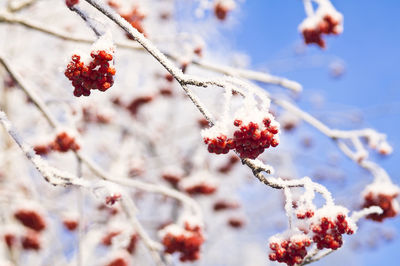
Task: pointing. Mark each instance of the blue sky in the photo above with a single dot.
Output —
(370, 50)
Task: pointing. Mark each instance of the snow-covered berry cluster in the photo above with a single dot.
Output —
(31, 241)
(247, 137)
(290, 249)
(134, 16)
(185, 239)
(98, 74)
(326, 20)
(27, 239)
(328, 226)
(63, 142)
(305, 214)
(323, 227)
(172, 175)
(200, 183)
(222, 8)
(30, 218)
(383, 195)
(222, 204)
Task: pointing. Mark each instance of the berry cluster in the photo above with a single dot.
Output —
(113, 198)
(200, 183)
(382, 194)
(62, 143)
(97, 75)
(236, 222)
(325, 21)
(249, 140)
(290, 251)
(222, 8)
(186, 241)
(31, 241)
(31, 219)
(225, 205)
(135, 17)
(305, 214)
(70, 224)
(328, 232)
(201, 189)
(387, 202)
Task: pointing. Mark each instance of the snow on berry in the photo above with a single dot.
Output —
(250, 133)
(64, 142)
(95, 73)
(200, 183)
(185, 240)
(384, 195)
(329, 224)
(70, 221)
(172, 175)
(134, 16)
(289, 247)
(326, 20)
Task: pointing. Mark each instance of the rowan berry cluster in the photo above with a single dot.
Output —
(290, 250)
(326, 20)
(200, 183)
(249, 139)
(97, 75)
(172, 176)
(31, 219)
(31, 241)
(186, 241)
(70, 224)
(221, 205)
(201, 189)
(383, 195)
(305, 214)
(28, 240)
(328, 231)
(135, 17)
(62, 143)
(236, 222)
(222, 8)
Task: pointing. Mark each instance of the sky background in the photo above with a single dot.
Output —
(370, 86)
